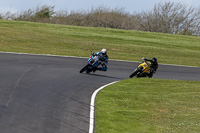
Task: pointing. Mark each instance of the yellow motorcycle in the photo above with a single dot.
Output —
(141, 70)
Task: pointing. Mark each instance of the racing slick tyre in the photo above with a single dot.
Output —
(84, 69)
(134, 73)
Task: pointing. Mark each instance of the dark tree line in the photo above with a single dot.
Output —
(168, 17)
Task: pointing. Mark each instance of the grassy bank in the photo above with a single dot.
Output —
(79, 41)
(149, 106)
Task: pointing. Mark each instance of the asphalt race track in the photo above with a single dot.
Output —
(47, 94)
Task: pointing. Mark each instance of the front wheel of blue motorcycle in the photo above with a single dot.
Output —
(84, 69)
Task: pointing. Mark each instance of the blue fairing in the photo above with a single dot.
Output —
(94, 61)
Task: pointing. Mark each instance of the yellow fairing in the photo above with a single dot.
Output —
(145, 66)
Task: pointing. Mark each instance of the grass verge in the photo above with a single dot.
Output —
(52, 39)
(150, 106)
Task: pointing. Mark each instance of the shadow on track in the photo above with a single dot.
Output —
(98, 75)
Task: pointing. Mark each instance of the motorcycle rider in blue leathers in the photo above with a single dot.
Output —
(104, 59)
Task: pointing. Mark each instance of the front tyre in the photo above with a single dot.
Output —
(134, 73)
(84, 69)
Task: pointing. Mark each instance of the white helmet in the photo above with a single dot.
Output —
(103, 51)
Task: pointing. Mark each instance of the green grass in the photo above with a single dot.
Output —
(40, 38)
(149, 106)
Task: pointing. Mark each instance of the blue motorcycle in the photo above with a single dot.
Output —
(92, 64)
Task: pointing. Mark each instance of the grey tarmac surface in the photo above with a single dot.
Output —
(47, 94)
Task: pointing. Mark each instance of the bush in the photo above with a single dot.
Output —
(168, 17)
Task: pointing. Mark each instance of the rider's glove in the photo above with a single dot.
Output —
(92, 53)
(143, 58)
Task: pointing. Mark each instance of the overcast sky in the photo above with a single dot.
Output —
(130, 6)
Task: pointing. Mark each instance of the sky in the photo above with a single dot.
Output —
(130, 6)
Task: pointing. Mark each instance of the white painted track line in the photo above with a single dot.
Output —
(91, 126)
